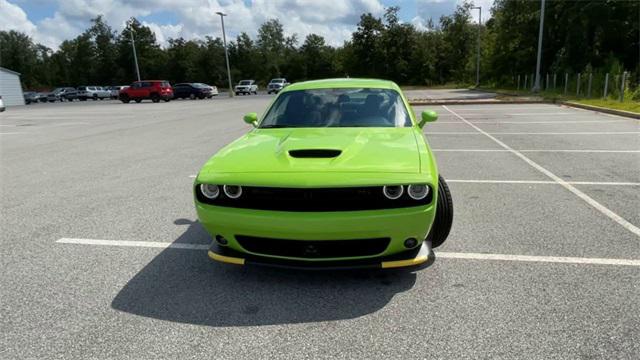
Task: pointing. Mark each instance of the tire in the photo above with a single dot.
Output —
(167, 100)
(444, 215)
(192, 96)
(138, 101)
(155, 98)
(124, 98)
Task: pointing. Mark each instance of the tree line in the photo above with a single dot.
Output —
(579, 36)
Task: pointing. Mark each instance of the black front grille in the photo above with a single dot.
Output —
(313, 199)
(313, 249)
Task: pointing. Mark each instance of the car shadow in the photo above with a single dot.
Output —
(185, 286)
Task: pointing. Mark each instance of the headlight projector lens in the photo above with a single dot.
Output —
(393, 192)
(232, 191)
(418, 192)
(210, 191)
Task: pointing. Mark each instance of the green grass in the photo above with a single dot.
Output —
(627, 105)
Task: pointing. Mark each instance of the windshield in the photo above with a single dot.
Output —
(353, 107)
(277, 81)
(200, 86)
(245, 82)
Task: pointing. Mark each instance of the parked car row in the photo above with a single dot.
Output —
(154, 90)
(68, 93)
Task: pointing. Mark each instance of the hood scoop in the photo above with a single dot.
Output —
(315, 153)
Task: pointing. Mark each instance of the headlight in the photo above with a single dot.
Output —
(210, 191)
(232, 191)
(418, 192)
(393, 192)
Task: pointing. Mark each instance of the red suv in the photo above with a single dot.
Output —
(155, 90)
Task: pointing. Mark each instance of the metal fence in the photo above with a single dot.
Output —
(580, 85)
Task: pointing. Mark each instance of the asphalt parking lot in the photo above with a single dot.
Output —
(543, 261)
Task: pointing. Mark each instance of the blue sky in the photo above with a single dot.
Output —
(52, 21)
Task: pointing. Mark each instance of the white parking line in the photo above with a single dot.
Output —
(604, 210)
(538, 114)
(441, 255)
(550, 151)
(530, 258)
(11, 133)
(470, 181)
(605, 183)
(128, 243)
(498, 122)
(532, 133)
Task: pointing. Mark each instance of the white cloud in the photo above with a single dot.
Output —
(335, 20)
(12, 17)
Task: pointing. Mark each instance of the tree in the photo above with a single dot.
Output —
(105, 57)
(151, 58)
(271, 43)
(19, 53)
(316, 57)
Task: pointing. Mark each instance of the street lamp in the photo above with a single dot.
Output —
(133, 45)
(226, 54)
(536, 87)
(478, 47)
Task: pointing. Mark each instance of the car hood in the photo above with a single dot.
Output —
(390, 150)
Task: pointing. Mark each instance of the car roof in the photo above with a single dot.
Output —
(343, 83)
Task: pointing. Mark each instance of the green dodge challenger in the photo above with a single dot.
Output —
(336, 174)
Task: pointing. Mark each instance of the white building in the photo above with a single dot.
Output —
(10, 87)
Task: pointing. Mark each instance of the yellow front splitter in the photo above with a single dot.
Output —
(420, 258)
(226, 259)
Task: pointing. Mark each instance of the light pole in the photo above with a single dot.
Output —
(226, 54)
(478, 50)
(536, 86)
(135, 56)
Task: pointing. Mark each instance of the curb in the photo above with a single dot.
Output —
(475, 102)
(628, 114)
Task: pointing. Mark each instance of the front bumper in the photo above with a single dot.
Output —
(395, 224)
(415, 257)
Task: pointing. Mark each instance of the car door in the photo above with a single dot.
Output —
(135, 90)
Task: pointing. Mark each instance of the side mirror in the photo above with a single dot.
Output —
(251, 119)
(428, 116)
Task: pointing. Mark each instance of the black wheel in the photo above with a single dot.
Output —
(155, 98)
(125, 98)
(237, 93)
(138, 101)
(444, 215)
(167, 100)
(192, 96)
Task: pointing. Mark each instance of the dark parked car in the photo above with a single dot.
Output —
(191, 91)
(155, 90)
(62, 94)
(31, 97)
